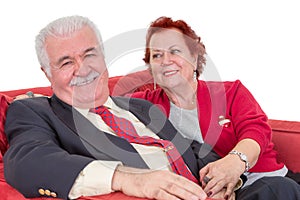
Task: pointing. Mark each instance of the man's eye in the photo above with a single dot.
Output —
(175, 51)
(66, 64)
(89, 55)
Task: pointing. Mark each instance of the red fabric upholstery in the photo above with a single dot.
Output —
(286, 137)
(3, 107)
(37, 90)
(133, 82)
(286, 134)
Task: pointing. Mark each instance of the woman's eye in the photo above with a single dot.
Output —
(156, 55)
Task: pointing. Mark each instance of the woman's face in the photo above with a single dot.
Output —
(171, 61)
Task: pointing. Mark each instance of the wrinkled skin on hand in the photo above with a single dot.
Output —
(156, 184)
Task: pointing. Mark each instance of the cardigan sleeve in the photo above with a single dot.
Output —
(248, 118)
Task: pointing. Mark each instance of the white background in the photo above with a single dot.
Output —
(256, 41)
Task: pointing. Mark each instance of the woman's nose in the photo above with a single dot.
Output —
(167, 59)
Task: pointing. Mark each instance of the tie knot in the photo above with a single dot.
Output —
(99, 109)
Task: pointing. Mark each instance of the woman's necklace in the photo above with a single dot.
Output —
(187, 104)
(194, 98)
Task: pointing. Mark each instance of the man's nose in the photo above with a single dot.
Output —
(81, 68)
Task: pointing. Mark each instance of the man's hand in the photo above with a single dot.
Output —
(155, 184)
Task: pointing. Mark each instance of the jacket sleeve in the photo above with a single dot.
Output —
(35, 160)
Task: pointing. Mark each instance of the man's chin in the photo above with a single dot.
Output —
(89, 99)
(83, 103)
(83, 94)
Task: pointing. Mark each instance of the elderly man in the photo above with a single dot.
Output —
(68, 145)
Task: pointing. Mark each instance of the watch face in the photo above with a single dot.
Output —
(243, 157)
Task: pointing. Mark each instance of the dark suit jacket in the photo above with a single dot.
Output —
(50, 143)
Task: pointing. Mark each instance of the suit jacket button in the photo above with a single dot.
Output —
(47, 192)
(53, 194)
(41, 191)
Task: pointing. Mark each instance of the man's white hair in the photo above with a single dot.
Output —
(62, 27)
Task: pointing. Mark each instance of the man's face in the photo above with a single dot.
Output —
(79, 75)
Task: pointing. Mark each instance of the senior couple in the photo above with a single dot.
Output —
(204, 139)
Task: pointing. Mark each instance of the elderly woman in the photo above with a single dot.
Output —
(223, 114)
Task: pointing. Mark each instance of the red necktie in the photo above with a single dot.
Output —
(124, 129)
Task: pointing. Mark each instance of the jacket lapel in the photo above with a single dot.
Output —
(156, 121)
(101, 145)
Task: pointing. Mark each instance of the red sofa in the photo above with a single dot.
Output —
(286, 134)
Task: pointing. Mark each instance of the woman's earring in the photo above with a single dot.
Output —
(154, 82)
(195, 76)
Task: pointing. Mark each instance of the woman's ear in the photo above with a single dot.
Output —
(195, 62)
(150, 69)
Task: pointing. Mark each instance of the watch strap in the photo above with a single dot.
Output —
(243, 158)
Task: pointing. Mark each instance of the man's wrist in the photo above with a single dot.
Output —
(116, 179)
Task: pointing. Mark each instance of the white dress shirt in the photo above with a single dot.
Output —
(96, 177)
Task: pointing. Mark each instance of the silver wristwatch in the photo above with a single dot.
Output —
(243, 158)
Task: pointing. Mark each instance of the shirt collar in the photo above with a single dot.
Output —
(109, 104)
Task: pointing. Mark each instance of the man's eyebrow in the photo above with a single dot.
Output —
(68, 57)
(62, 59)
(89, 49)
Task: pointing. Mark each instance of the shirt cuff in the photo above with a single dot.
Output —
(94, 179)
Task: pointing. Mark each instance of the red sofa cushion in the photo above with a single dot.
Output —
(4, 100)
(286, 137)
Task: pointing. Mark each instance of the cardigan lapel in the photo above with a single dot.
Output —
(211, 98)
(100, 144)
(204, 106)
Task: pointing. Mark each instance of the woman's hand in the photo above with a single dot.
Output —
(221, 195)
(223, 173)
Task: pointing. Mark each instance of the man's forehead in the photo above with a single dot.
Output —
(59, 49)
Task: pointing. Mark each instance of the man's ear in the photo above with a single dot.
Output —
(45, 72)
